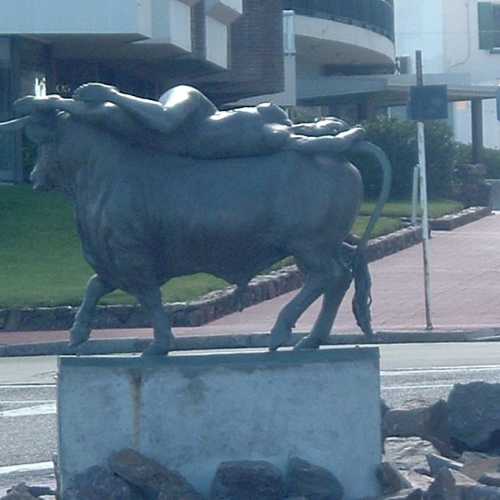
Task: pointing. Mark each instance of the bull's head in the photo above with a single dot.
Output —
(40, 125)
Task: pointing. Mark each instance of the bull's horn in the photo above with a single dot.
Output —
(13, 125)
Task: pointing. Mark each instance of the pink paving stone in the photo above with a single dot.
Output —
(465, 291)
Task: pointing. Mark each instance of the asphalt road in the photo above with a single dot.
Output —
(424, 372)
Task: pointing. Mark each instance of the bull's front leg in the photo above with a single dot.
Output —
(80, 331)
(163, 337)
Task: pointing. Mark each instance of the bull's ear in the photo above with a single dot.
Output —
(14, 125)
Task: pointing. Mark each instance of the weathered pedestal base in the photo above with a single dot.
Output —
(192, 412)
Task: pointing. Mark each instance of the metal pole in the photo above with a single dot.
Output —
(414, 195)
(423, 201)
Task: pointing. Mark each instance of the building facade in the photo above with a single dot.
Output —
(460, 40)
(334, 52)
(229, 49)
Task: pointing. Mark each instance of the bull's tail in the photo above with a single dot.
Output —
(362, 300)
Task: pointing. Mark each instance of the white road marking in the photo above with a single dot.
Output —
(26, 401)
(40, 466)
(27, 386)
(49, 407)
(413, 387)
(30, 411)
(440, 369)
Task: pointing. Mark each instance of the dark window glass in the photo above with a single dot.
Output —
(489, 25)
(376, 15)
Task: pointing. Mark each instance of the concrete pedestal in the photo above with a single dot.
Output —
(192, 412)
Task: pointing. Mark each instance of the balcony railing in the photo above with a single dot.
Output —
(375, 15)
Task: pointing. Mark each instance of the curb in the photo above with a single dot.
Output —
(466, 216)
(248, 341)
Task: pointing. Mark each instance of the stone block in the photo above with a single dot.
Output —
(192, 412)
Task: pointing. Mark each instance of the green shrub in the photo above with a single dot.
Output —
(398, 139)
(489, 157)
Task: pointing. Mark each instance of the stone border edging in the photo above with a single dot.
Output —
(210, 307)
(466, 216)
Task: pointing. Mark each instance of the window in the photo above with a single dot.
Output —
(489, 25)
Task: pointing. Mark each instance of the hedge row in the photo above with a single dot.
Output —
(399, 141)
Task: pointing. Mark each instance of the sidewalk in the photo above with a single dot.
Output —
(465, 291)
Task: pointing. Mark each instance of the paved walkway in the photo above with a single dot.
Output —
(465, 289)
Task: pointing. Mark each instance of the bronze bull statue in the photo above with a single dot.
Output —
(151, 204)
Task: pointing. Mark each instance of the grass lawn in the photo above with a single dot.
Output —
(41, 262)
(437, 208)
(384, 225)
(40, 258)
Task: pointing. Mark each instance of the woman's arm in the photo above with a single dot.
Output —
(105, 114)
(327, 143)
(164, 118)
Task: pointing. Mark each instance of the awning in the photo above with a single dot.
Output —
(387, 90)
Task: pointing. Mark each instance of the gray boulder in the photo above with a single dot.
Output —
(97, 483)
(409, 453)
(418, 481)
(427, 422)
(453, 485)
(391, 480)
(19, 492)
(248, 480)
(406, 495)
(151, 478)
(409, 457)
(450, 485)
(490, 479)
(437, 462)
(474, 414)
(477, 464)
(312, 481)
(22, 490)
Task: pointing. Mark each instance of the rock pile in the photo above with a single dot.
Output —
(446, 451)
(130, 475)
(24, 492)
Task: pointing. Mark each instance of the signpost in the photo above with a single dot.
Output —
(426, 103)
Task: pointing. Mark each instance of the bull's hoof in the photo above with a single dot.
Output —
(78, 335)
(368, 332)
(307, 343)
(156, 349)
(279, 337)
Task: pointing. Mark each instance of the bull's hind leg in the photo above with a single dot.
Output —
(80, 331)
(339, 280)
(163, 337)
(314, 265)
